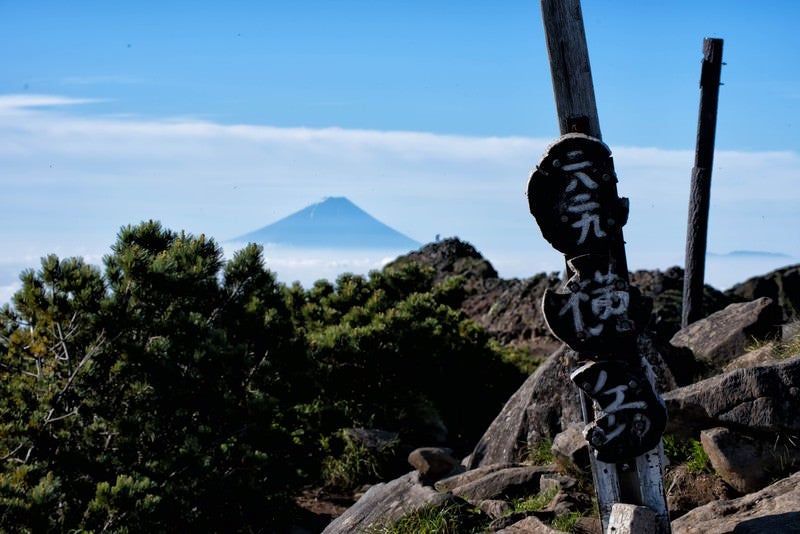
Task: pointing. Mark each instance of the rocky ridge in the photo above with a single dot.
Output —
(731, 383)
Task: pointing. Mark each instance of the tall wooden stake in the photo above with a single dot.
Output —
(637, 480)
(699, 199)
(569, 67)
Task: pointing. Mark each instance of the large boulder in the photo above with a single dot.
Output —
(764, 398)
(748, 463)
(726, 334)
(771, 510)
(545, 404)
(385, 503)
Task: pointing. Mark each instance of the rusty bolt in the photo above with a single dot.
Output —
(641, 424)
(624, 326)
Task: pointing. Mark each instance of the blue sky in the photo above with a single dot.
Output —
(219, 118)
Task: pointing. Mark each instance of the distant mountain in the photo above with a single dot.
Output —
(333, 223)
(750, 254)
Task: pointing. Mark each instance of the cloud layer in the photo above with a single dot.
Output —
(71, 180)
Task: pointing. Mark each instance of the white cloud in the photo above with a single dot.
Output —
(74, 180)
(20, 102)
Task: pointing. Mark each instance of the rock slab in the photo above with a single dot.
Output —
(725, 335)
(763, 398)
(774, 509)
(385, 503)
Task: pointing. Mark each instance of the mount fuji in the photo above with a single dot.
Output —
(334, 223)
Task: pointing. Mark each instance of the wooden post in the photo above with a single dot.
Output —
(699, 198)
(572, 194)
(569, 67)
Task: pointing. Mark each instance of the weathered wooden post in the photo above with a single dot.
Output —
(572, 193)
(700, 194)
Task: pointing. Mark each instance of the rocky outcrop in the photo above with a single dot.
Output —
(726, 334)
(771, 510)
(452, 257)
(385, 503)
(762, 399)
(757, 401)
(782, 286)
(747, 417)
(489, 488)
(510, 310)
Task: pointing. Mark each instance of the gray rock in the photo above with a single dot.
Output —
(510, 482)
(529, 525)
(764, 398)
(557, 481)
(433, 463)
(570, 447)
(687, 491)
(656, 353)
(724, 335)
(790, 329)
(562, 503)
(763, 354)
(744, 462)
(771, 510)
(587, 525)
(782, 286)
(384, 503)
(541, 408)
(454, 481)
(494, 508)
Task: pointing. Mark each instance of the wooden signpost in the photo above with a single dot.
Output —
(700, 192)
(572, 193)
